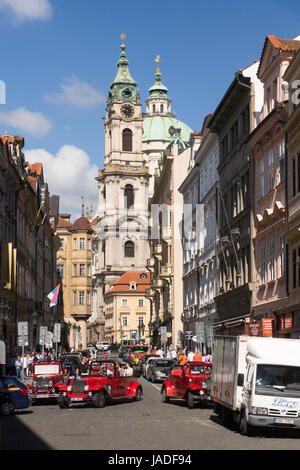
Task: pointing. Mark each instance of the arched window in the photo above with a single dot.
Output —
(127, 140)
(153, 108)
(129, 249)
(129, 196)
(161, 108)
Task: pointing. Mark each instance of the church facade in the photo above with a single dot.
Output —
(134, 146)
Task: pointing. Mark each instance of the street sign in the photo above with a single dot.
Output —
(163, 334)
(43, 331)
(22, 328)
(49, 339)
(23, 341)
(188, 334)
(57, 333)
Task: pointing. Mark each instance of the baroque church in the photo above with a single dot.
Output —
(134, 145)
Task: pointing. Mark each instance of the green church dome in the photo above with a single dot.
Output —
(164, 128)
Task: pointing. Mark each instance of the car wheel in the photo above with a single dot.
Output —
(190, 400)
(63, 403)
(100, 399)
(164, 396)
(7, 408)
(138, 395)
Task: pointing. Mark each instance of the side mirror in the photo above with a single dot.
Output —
(240, 380)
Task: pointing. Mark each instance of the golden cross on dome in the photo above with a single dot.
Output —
(123, 37)
(157, 60)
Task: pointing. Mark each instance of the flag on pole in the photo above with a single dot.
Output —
(53, 296)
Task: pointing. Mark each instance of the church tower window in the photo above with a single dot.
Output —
(129, 249)
(129, 196)
(127, 140)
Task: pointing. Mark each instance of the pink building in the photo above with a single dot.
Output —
(268, 146)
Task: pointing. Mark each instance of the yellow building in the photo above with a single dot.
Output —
(127, 309)
(74, 260)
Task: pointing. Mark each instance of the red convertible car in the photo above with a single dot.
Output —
(45, 377)
(105, 381)
(188, 382)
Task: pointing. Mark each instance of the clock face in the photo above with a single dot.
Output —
(127, 110)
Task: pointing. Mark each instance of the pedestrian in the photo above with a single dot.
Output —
(190, 356)
(182, 358)
(18, 366)
(174, 354)
(197, 357)
(24, 365)
(29, 364)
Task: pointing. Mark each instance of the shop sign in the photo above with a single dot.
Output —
(267, 326)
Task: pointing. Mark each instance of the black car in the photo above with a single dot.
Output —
(139, 369)
(159, 369)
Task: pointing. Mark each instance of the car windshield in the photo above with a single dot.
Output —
(200, 369)
(46, 369)
(139, 349)
(102, 369)
(271, 379)
(163, 363)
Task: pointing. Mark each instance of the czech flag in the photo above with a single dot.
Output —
(53, 296)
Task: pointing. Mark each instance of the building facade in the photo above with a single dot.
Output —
(233, 121)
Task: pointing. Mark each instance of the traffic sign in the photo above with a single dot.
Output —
(57, 333)
(23, 341)
(22, 328)
(43, 331)
(163, 334)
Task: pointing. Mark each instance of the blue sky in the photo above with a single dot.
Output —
(53, 48)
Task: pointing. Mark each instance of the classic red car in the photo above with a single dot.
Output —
(45, 377)
(188, 382)
(105, 381)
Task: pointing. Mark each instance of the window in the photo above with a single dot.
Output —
(60, 269)
(271, 260)
(161, 108)
(124, 303)
(74, 269)
(262, 178)
(124, 321)
(153, 108)
(74, 297)
(141, 321)
(82, 243)
(62, 243)
(129, 250)
(262, 263)
(75, 244)
(82, 270)
(270, 170)
(81, 297)
(129, 196)
(281, 154)
(141, 302)
(127, 140)
(281, 255)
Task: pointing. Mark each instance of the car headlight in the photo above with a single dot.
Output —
(259, 411)
(201, 392)
(86, 388)
(204, 384)
(69, 388)
(34, 383)
(50, 383)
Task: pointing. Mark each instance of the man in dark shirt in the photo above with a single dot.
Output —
(83, 367)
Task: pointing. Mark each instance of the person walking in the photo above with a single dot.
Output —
(190, 356)
(182, 358)
(18, 366)
(24, 363)
(197, 357)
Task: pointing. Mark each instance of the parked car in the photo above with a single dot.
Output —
(159, 369)
(13, 395)
(188, 383)
(123, 351)
(102, 384)
(147, 364)
(45, 377)
(139, 370)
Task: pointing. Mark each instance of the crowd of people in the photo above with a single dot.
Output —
(21, 366)
(181, 356)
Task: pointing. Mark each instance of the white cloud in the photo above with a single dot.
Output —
(28, 122)
(27, 10)
(70, 175)
(74, 92)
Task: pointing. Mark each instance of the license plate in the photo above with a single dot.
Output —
(283, 421)
(41, 396)
(76, 399)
